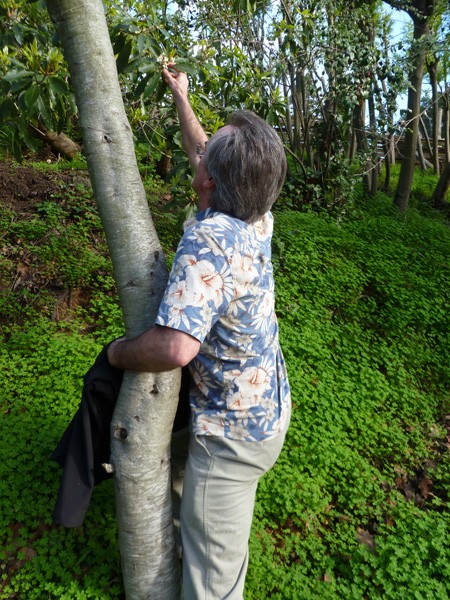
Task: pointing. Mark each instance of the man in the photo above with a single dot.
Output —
(217, 315)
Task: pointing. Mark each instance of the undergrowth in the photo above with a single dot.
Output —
(357, 505)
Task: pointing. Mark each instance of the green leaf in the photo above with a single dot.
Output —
(31, 96)
(124, 56)
(149, 66)
(152, 84)
(58, 86)
(15, 75)
(186, 67)
(17, 149)
(244, 5)
(18, 32)
(44, 113)
(142, 84)
(5, 109)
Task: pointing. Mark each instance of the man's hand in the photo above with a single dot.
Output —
(176, 80)
(110, 353)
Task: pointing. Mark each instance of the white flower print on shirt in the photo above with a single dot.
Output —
(202, 379)
(267, 412)
(178, 295)
(252, 383)
(208, 283)
(236, 350)
(239, 431)
(203, 322)
(184, 261)
(245, 264)
(264, 228)
(208, 426)
(177, 319)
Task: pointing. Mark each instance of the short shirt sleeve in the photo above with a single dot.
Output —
(200, 285)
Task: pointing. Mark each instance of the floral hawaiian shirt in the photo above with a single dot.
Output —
(221, 291)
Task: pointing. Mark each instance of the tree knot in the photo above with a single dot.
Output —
(120, 433)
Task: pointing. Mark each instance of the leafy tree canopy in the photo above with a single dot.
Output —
(310, 67)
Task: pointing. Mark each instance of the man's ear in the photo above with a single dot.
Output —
(210, 183)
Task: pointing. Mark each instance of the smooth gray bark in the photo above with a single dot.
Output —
(142, 422)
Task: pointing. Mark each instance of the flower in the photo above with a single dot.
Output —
(164, 60)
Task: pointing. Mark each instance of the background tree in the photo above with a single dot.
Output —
(142, 421)
(391, 81)
(438, 70)
(422, 13)
(432, 65)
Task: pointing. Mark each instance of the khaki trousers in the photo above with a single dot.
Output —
(219, 489)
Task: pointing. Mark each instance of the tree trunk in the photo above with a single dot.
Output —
(447, 124)
(374, 163)
(438, 198)
(423, 162)
(387, 164)
(142, 422)
(359, 130)
(420, 12)
(423, 133)
(432, 72)
(404, 185)
(388, 141)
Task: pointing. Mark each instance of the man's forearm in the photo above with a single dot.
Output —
(156, 350)
(192, 133)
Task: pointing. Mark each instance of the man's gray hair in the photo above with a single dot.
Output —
(248, 166)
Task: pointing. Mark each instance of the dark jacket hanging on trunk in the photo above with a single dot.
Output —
(85, 445)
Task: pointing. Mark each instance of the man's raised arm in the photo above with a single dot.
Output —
(192, 133)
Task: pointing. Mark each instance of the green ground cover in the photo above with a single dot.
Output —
(357, 506)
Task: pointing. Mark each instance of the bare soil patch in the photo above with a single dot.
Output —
(22, 186)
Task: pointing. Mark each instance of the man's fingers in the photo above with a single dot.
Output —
(170, 73)
(171, 69)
